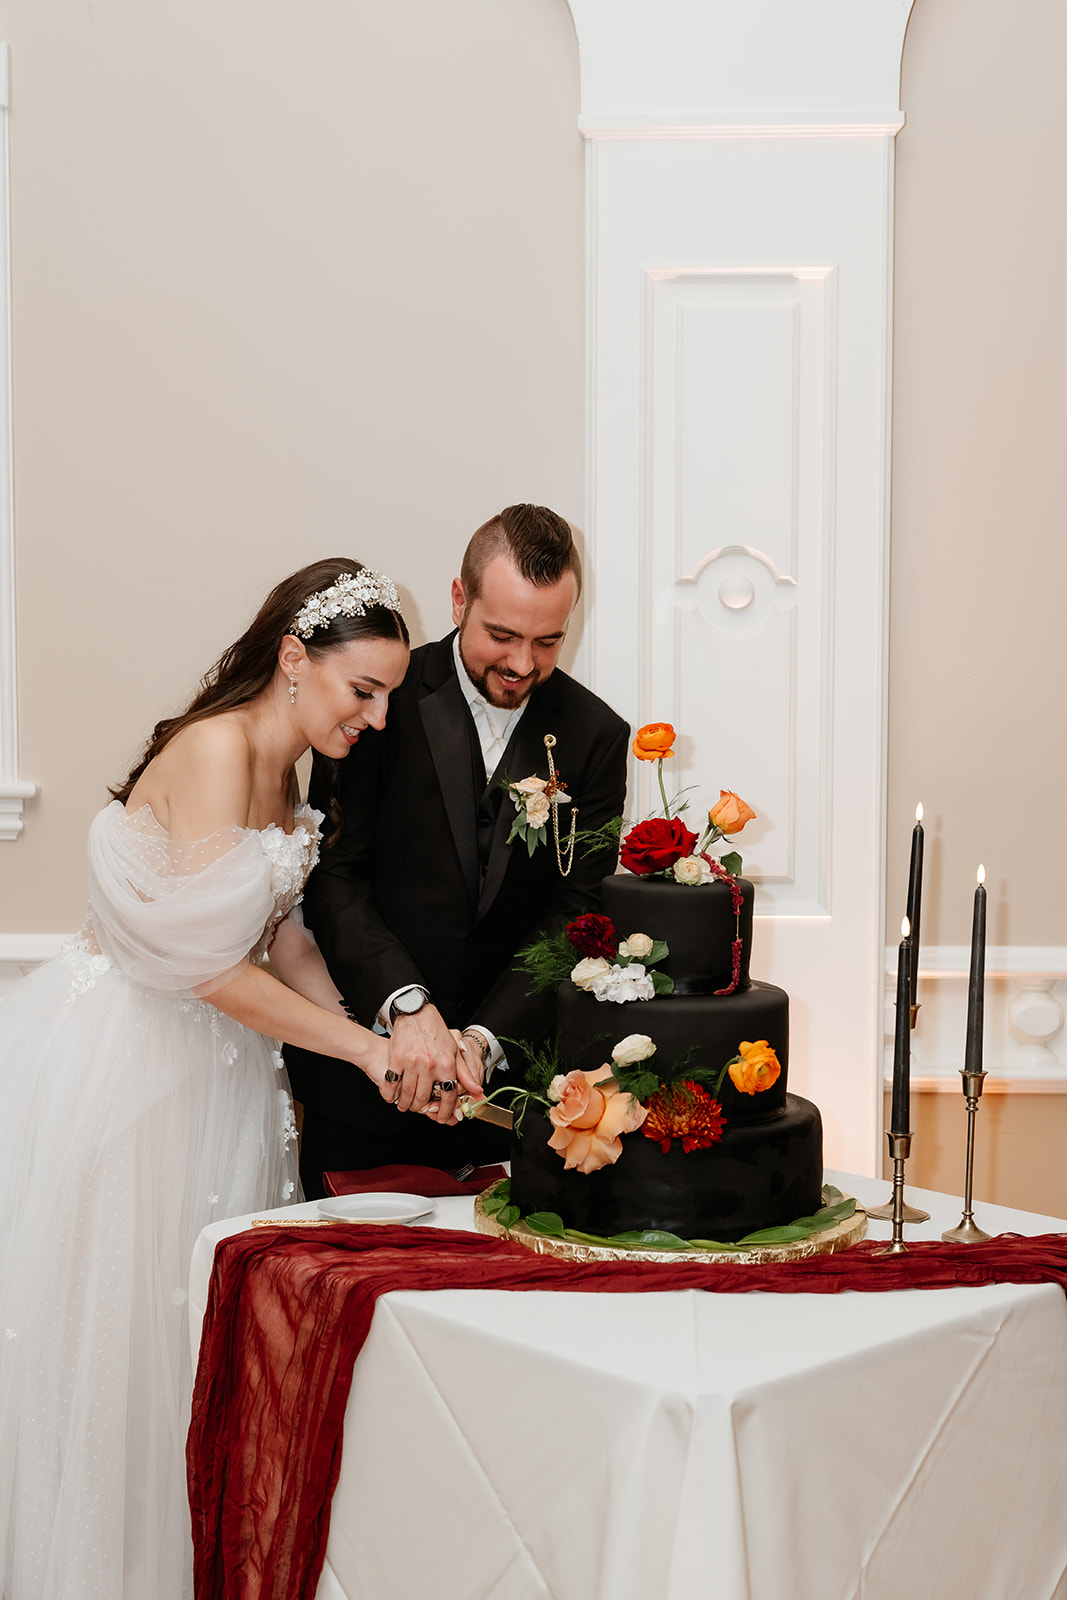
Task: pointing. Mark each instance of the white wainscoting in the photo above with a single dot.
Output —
(739, 212)
(1025, 1011)
(21, 952)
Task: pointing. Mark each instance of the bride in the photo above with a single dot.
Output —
(143, 1094)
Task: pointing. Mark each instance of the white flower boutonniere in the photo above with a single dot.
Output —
(533, 799)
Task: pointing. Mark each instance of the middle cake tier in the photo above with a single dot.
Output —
(709, 1027)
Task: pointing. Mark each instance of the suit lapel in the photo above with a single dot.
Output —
(525, 757)
(445, 723)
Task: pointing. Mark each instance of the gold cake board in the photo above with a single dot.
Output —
(840, 1237)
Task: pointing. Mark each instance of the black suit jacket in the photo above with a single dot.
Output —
(408, 895)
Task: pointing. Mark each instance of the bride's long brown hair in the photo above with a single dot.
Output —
(247, 667)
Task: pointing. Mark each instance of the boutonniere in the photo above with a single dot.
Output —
(537, 802)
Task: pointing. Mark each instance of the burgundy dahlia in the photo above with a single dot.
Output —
(593, 935)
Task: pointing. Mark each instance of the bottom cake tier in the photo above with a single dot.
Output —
(759, 1175)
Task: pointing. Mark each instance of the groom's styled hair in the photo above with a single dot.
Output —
(538, 541)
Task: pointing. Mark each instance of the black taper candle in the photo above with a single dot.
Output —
(915, 896)
(900, 1121)
(972, 1055)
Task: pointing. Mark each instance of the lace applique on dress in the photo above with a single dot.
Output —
(285, 1106)
(291, 857)
(84, 961)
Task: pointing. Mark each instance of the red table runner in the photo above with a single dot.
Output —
(289, 1310)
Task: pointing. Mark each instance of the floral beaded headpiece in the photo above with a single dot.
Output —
(348, 597)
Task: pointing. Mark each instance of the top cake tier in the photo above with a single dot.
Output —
(698, 923)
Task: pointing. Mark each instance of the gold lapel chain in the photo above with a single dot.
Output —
(550, 741)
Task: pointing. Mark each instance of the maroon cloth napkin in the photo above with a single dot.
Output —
(288, 1312)
(411, 1180)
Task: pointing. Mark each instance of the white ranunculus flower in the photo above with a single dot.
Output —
(691, 869)
(537, 809)
(638, 947)
(588, 971)
(635, 1047)
(531, 785)
(555, 1088)
(624, 983)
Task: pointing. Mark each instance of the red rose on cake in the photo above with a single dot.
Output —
(655, 845)
(588, 1119)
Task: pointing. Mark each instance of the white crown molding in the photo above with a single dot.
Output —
(800, 61)
(740, 125)
(13, 792)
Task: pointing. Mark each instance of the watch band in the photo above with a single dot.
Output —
(396, 1010)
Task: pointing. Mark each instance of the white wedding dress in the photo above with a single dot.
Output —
(132, 1113)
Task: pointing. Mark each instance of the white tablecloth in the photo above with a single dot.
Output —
(689, 1446)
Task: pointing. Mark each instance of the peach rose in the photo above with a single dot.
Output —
(756, 1067)
(730, 813)
(531, 785)
(538, 808)
(588, 1120)
(654, 741)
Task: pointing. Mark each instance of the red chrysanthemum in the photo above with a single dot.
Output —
(593, 935)
(684, 1111)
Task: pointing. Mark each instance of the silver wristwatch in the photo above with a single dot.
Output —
(408, 1001)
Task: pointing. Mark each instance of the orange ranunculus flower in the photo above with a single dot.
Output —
(730, 813)
(756, 1067)
(588, 1120)
(654, 741)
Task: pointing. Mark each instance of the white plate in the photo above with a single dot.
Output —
(377, 1207)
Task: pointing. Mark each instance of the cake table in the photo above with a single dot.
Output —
(688, 1446)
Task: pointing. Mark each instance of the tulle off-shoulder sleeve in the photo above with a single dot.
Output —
(180, 918)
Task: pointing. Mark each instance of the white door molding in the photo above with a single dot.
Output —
(739, 220)
(12, 792)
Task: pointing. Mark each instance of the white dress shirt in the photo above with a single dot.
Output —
(494, 724)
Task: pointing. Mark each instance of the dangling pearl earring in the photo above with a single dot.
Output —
(292, 690)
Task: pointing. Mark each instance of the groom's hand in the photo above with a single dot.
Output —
(423, 1052)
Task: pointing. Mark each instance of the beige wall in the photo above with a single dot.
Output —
(288, 281)
(979, 553)
(1018, 1149)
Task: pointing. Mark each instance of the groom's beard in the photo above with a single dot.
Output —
(494, 689)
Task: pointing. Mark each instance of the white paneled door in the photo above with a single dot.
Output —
(739, 272)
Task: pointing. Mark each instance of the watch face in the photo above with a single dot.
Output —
(408, 1004)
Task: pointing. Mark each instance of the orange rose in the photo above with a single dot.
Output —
(653, 742)
(588, 1120)
(730, 813)
(756, 1067)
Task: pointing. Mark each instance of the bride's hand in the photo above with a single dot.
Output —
(373, 1054)
(469, 1071)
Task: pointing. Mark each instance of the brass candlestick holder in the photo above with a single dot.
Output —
(968, 1231)
(899, 1151)
(885, 1213)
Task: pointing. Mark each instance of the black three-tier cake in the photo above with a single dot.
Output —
(766, 1169)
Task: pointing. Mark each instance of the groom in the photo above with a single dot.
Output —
(420, 906)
